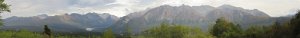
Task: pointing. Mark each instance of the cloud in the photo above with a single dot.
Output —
(121, 8)
(274, 8)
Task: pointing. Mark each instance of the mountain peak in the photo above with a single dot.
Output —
(43, 15)
(188, 15)
(165, 6)
(63, 23)
(226, 5)
(229, 7)
(105, 14)
(91, 13)
(204, 6)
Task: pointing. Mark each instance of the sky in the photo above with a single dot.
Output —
(26, 8)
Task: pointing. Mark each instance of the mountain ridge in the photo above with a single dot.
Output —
(195, 16)
(61, 23)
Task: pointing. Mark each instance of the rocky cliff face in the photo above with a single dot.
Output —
(195, 16)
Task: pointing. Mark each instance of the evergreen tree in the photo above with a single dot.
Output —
(47, 31)
(295, 22)
(275, 30)
(255, 32)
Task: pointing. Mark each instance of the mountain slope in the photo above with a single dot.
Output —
(195, 16)
(62, 23)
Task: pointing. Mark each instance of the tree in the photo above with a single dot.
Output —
(295, 23)
(3, 8)
(197, 33)
(255, 32)
(225, 29)
(108, 34)
(47, 31)
(276, 31)
(174, 31)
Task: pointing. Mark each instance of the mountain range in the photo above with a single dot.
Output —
(195, 16)
(62, 23)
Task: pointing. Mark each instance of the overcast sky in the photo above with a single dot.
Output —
(25, 8)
